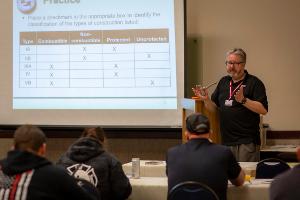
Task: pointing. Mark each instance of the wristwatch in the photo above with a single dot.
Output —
(244, 100)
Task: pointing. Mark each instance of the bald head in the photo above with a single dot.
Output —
(29, 137)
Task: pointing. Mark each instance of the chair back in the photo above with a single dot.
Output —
(270, 167)
(192, 190)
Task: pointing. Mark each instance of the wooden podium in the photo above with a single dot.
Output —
(195, 105)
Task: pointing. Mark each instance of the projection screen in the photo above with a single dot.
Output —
(88, 62)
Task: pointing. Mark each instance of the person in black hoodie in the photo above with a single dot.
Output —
(87, 159)
(26, 174)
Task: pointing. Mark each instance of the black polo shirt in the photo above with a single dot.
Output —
(238, 124)
(202, 161)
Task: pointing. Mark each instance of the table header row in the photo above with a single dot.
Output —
(95, 37)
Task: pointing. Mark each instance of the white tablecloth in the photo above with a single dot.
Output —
(155, 168)
(156, 188)
(148, 168)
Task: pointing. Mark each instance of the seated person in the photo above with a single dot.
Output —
(202, 161)
(26, 174)
(286, 185)
(87, 159)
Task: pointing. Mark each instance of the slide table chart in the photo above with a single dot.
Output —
(133, 58)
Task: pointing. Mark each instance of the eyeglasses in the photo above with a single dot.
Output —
(228, 63)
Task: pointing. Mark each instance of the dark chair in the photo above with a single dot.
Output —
(191, 190)
(270, 167)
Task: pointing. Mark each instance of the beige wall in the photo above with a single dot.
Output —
(123, 149)
(5, 145)
(269, 31)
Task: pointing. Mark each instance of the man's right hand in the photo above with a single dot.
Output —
(200, 92)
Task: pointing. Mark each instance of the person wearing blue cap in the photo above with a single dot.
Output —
(202, 161)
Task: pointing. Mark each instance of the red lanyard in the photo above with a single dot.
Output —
(230, 89)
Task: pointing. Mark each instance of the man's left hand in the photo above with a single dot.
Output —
(239, 95)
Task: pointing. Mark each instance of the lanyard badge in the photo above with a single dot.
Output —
(228, 102)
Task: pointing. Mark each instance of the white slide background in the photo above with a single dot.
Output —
(83, 62)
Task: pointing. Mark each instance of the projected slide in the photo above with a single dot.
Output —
(94, 54)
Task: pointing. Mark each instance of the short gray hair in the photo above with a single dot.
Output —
(238, 51)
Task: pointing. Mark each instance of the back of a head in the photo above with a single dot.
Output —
(197, 124)
(95, 132)
(29, 137)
